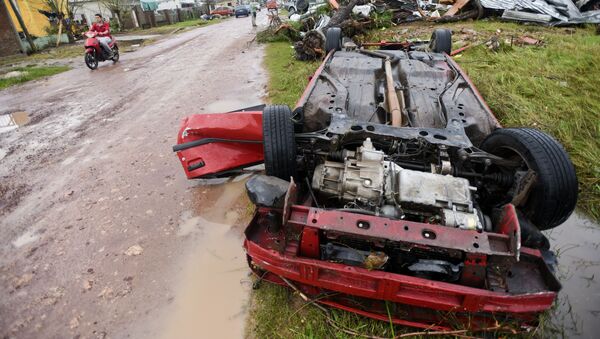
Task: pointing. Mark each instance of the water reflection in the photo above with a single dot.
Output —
(577, 244)
(9, 122)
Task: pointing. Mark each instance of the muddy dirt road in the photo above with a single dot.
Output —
(102, 236)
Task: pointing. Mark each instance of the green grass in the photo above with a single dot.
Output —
(277, 312)
(30, 73)
(287, 76)
(553, 87)
(61, 52)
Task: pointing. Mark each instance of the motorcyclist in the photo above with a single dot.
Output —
(102, 30)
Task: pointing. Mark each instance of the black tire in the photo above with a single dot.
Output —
(115, 51)
(441, 41)
(553, 197)
(302, 6)
(333, 39)
(279, 142)
(91, 61)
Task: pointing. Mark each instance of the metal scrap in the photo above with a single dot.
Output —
(552, 12)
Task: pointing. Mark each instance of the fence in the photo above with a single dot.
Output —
(147, 19)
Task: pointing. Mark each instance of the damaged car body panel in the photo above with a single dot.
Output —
(204, 139)
(402, 188)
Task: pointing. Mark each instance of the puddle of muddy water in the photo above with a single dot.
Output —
(212, 296)
(577, 243)
(9, 122)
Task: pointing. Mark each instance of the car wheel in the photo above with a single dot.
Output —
(333, 39)
(279, 143)
(553, 196)
(441, 41)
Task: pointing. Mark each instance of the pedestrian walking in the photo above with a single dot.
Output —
(253, 12)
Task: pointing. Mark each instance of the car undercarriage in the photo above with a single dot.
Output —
(392, 181)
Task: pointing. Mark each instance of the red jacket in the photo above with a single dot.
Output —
(102, 29)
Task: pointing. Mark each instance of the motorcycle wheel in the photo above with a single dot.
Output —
(115, 51)
(91, 61)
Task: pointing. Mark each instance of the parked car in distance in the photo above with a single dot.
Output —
(223, 10)
(242, 10)
(290, 6)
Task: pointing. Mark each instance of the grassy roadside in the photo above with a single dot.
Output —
(287, 76)
(552, 87)
(29, 73)
(61, 52)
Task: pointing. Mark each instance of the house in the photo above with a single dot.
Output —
(174, 4)
(37, 19)
(85, 10)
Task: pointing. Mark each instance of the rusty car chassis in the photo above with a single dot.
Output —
(392, 191)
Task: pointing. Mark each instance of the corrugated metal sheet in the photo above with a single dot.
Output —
(498, 4)
(540, 6)
(561, 11)
(510, 14)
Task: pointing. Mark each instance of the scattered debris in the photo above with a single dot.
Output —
(527, 40)
(494, 43)
(552, 12)
(134, 250)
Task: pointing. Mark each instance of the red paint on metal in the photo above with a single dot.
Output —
(419, 298)
(408, 232)
(459, 50)
(473, 273)
(394, 287)
(313, 80)
(219, 157)
(309, 243)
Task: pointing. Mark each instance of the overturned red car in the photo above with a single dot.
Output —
(391, 187)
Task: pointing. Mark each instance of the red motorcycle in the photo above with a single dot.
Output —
(94, 52)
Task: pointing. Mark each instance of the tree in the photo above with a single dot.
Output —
(60, 8)
(22, 24)
(117, 8)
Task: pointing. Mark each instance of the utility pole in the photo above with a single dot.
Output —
(23, 27)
